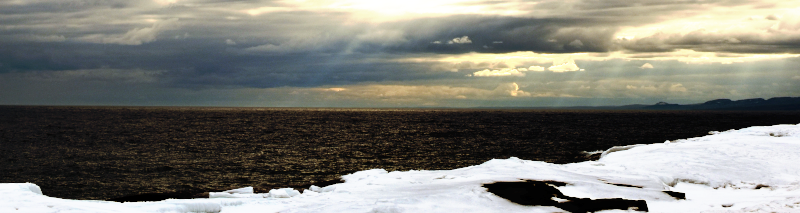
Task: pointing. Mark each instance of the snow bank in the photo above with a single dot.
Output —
(748, 170)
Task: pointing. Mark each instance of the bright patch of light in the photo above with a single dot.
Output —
(262, 10)
(165, 2)
(421, 7)
(395, 9)
(627, 37)
(731, 20)
(495, 73)
(526, 59)
(692, 57)
(336, 89)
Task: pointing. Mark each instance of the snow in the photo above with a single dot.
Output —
(748, 170)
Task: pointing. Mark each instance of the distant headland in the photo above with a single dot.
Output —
(755, 104)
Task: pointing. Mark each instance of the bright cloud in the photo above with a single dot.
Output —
(495, 73)
(523, 59)
(564, 65)
(508, 71)
(646, 66)
(536, 68)
(166, 2)
(426, 7)
(335, 89)
(729, 29)
(576, 43)
(265, 10)
(511, 89)
(677, 88)
(462, 40)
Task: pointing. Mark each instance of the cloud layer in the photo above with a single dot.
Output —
(417, 52)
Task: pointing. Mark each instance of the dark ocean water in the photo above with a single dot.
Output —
(109, 152)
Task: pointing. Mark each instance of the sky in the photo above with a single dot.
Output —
(413, 53)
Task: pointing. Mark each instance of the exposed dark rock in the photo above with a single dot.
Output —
(554, 183)
(623, 185)
(320, 184)
(526, 193)
(266, 188)
(592, 156)
(676, 195)
(541, 193)
(589, 205)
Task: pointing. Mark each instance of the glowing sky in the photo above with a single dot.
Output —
(366, 53)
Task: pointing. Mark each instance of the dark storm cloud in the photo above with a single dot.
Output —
(198, 63)
(295, 71)
(490, 34)
(503, 34)
(65, 6)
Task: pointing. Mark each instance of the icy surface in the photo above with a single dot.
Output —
(749, 170)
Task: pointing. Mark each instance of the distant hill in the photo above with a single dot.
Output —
(778, 103)
(756, 104)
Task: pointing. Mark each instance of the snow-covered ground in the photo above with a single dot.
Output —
(755, 169)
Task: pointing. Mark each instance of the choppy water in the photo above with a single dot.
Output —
(108, 152)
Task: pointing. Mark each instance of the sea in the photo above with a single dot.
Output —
(100, 153)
